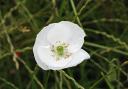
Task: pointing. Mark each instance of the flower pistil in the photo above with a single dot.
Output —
(60, 50)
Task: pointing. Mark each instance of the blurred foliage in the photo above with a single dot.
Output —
(105, 23)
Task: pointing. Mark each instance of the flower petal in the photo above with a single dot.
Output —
(77, 58)
(47, 57)
(75, 45)
(74, 60)
(42, 35)
(67, 32)
(58, 33)
(77, 39)
(38, 60)
(74, 27)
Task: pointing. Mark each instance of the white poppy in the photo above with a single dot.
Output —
(58, 46)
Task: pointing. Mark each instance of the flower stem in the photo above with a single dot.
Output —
(61, 80)
(75, 12)
(70, 78)
(8, 83)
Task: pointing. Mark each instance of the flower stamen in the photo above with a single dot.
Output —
(60, 50)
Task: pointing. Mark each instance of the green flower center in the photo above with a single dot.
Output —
(60, 50)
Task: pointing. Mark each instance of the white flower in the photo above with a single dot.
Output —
(58, 46)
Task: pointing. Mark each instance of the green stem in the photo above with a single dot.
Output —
(61, 80)
(106, 48)
(8, 83)
(31, 72)
(83, 7)
(75, 12)
(107, 81)
(74, 81)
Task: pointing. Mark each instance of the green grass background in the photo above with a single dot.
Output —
(104, 21)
